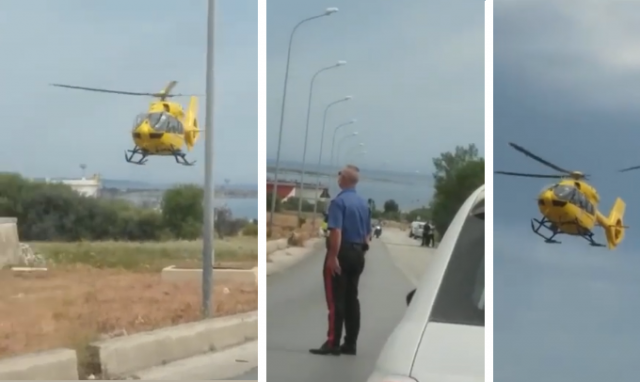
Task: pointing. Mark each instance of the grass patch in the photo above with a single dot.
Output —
(145, 256)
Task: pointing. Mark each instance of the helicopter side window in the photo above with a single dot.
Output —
(582, 202)
(138, 121)
(174, 126)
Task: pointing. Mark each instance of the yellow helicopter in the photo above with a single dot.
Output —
(163, 130)
(570, 207)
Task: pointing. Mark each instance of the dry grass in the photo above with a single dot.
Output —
(148, 256)
(286, 223)
(72, 306)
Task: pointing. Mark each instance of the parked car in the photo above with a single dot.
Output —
(441, 336)
(416, 229)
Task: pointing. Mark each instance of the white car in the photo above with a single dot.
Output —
(416, 229)
(441, 336)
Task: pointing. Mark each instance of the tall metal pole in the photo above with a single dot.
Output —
(324, 124)
(284, 98)
(207, 246)
(340, 147)
(333, 140)
(306, 134)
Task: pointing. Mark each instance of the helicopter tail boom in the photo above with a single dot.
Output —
(613, 225)
(191, 131)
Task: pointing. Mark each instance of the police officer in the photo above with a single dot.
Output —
(349, 226)
(426, 231)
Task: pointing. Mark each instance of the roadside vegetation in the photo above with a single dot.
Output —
(66, 228)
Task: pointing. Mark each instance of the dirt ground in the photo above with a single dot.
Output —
(72, 306)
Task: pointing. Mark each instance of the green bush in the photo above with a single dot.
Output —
(54, 212)
(250, 229)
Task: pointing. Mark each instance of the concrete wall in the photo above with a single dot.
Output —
(9, 243)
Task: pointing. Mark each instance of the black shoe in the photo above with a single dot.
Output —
(326, 349)
(348, 349)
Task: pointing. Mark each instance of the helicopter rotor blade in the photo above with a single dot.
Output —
(101, 90)
(166, 92)
(526, 175)
(630, 168)
(537, 158)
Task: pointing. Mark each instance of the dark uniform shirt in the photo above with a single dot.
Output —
(350, 213)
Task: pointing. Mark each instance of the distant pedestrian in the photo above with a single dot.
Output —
(349, 227)
(431, 241)
(426, 231)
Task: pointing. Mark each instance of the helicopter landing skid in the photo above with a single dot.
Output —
(551, 227)
(181, 158)
(548, 225)
(136, 150)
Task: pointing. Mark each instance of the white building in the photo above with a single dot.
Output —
(86, 187)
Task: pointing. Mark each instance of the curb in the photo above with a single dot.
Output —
(173, 274)
(127, 355)
(286, 258)
(276, 245)
(56, 364)
(124, 356)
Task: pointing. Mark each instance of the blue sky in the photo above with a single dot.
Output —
(567, 85)
(129, 45)
(415, 70)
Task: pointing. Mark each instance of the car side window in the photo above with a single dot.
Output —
(460, 299)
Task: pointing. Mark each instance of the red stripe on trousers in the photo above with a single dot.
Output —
(328, 292)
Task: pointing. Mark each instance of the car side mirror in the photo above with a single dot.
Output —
(410, 296)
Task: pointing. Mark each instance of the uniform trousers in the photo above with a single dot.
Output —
(341, 292)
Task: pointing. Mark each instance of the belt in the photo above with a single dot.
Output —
(360, 246)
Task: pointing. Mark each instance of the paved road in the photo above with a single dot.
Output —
(250, 376)
(407, 254)
(297, 319)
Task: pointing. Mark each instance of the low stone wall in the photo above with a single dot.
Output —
(9, 243)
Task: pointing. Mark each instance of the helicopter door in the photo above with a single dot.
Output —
(174, 126)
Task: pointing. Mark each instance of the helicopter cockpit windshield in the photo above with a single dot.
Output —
(160, 122)
(563, 192)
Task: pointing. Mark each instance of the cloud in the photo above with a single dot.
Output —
(137, 46)
(561, 44)
(416, 72)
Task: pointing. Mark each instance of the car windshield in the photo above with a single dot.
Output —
(460, 299)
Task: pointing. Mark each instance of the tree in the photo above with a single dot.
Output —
(390, 206)
(457, 175)
(422, 213)
(183, 212)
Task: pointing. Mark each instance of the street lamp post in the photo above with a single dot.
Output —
(328, 11)
(350, 156)
(333, 140)
(207, 246)
(324, 124)
(306, 133)
(355, 133)
(350, 152)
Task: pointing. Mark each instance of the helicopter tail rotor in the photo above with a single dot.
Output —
(613, 224)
